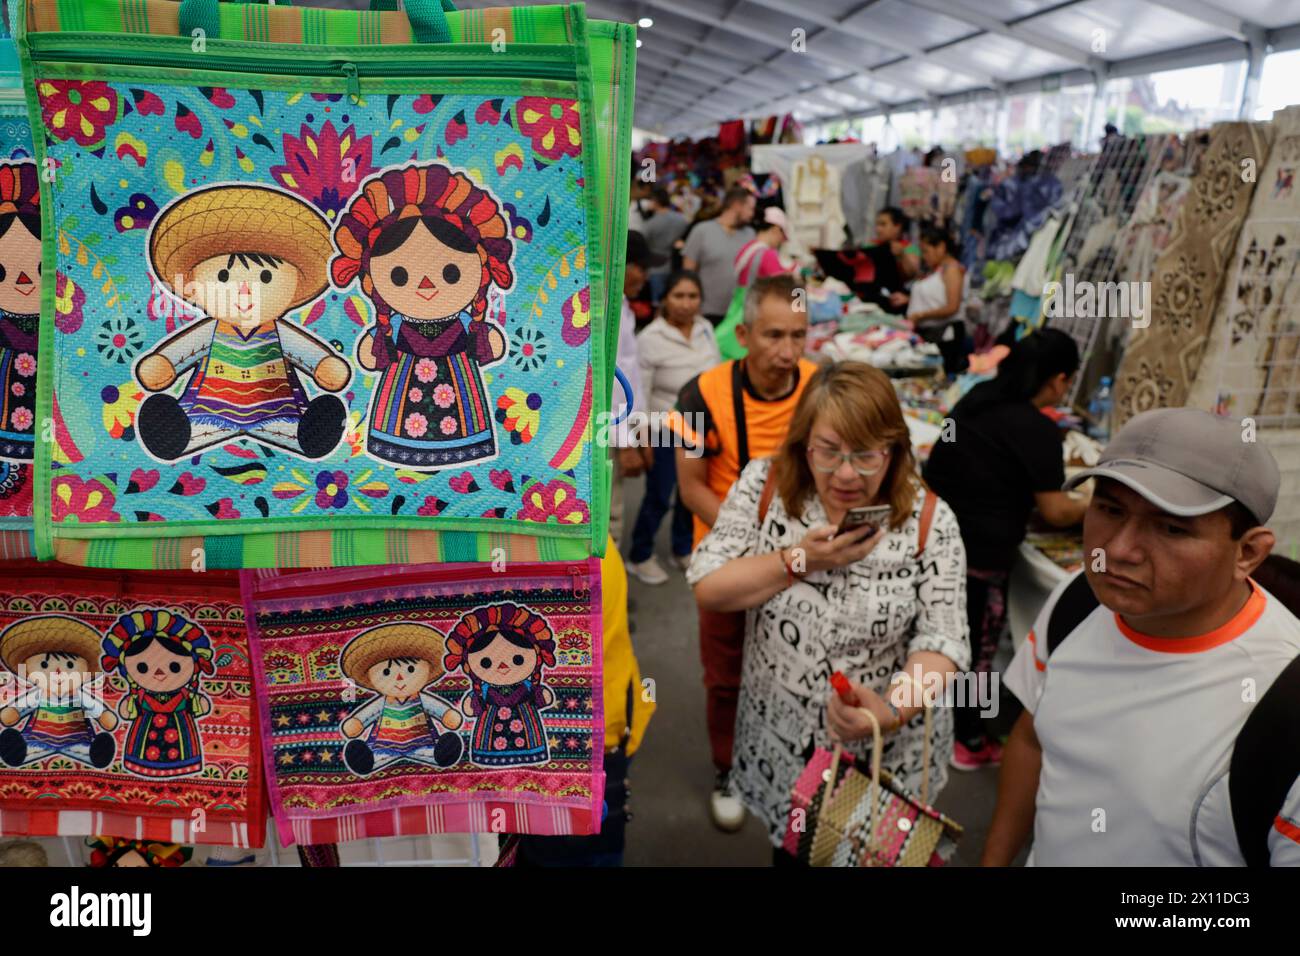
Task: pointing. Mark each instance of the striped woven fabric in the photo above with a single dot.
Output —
(290, 24)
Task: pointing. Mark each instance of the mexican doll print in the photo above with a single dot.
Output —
(59, 712)
(245, 256)
(427, 245)
(404, 720)
(503, 648)
(163, 657)
(20, 312)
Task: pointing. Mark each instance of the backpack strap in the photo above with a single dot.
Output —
(1265, 764)
(765, 499)
(1075, 603)
(738, 412)
(925, 519)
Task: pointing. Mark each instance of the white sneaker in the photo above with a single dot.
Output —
(649, 571)
(683, 561)
(726, 809)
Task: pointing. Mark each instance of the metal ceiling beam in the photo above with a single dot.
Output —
(1013, 31)
(874, 36)
(760, 36)
(1226, 23)
(772, 86)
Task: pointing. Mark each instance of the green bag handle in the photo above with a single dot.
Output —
(428, 17)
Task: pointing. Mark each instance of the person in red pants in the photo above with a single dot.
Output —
(726, 416)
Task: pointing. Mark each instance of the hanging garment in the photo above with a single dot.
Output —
(811, 178)
(1162, 360)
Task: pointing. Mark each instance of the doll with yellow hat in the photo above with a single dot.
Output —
(20, 307)
(398, 662)
(246, 256)
(59, 713)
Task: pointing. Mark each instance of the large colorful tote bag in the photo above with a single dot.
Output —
(126, 707)
(20, 298)
(430, 699)
(341, 287)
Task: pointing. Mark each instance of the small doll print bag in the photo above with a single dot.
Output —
(430, 699)
(334, 287)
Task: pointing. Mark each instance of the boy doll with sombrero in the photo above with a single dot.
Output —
(247, 256)
(53, 654)
(398, 662)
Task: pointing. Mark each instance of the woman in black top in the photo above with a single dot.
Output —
(1001, 458)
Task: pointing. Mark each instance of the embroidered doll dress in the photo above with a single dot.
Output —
(431, 409)
(164, 737)
(18, 336)
(509, 728)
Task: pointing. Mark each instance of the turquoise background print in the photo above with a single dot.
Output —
(123, 151)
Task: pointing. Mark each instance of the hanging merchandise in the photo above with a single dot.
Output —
(20, 256)
(811, 181)
(1162, 359)
(127, 707)
(864, 191)
(430, 699)
(1253, 353)
(1148, 231)
(335, 283)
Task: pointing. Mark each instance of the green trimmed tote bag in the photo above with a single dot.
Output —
(333, 288)
(20, 297)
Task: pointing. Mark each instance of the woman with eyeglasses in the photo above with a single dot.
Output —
(821, 597)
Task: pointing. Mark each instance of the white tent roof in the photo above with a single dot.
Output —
(709, 60)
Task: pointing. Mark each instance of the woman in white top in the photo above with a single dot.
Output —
(671, 350)
(934, 302)
(818, 601)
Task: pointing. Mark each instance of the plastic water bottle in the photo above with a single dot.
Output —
(1099, 410)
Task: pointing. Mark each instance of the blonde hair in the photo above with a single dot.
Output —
(859, 402)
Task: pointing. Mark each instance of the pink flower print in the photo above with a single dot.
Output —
(19, 389)
(447, 425)
(74, 500)
(425, 370)
(503, 712)
(21, 419)
(415, 395)
(25, 364)
(516, 725)
(499, 743)
(444, 396)
(416, 424)
(519, 741)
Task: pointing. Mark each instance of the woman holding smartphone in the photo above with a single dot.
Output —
(871, 602)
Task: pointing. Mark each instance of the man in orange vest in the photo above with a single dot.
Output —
(728, 415)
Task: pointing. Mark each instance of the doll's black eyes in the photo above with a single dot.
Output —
(2, 273)
(485, 662)
(142, 668)
(175, 668)
(223, 275)
(518, 659)
(265, 277)
(450, 274)
(400, 276)
(410, 668)
(45, 665)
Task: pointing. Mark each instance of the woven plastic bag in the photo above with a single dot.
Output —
(430, 699)
(126, 707)
(20, 298)
(337, 288)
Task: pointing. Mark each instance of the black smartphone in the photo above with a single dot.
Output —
(856, 518)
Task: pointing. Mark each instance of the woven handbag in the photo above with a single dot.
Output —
(335, 287)
(865, 817)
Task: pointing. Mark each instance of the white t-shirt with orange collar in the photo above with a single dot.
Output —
(1137, 734)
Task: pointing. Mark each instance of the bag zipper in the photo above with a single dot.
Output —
(352, 69)
(409, 575)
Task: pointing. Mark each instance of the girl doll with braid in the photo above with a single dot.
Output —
(426, 245)
(503, 648)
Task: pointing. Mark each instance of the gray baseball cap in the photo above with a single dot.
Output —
(1188, 462)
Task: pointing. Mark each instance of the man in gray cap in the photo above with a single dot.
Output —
(1146, 677)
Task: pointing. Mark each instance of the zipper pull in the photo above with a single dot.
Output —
(354, 82)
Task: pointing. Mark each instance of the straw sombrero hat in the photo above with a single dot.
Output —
(219, 220)
(44, 635)
(388, 641)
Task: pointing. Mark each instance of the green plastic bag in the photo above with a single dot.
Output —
(333, 287)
